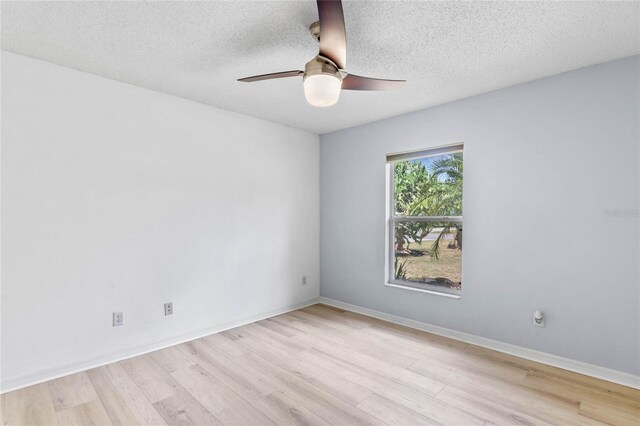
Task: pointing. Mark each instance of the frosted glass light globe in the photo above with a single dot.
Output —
(322, 90)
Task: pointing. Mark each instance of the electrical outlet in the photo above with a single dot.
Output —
(168, 308)
(118, 319)
(304, 280)
(538, 319)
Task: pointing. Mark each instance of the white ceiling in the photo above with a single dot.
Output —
(446, 50)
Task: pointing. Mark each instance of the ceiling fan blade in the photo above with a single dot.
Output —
(356, 82)
(333, 37)
(271, 76)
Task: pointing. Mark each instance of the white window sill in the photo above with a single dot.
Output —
(424, 290)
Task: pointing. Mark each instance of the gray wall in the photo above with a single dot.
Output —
(544, 161)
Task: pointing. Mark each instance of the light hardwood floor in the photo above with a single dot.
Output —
(319, 366)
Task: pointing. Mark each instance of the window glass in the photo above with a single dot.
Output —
(426, 222)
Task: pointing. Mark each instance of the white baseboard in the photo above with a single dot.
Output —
(626, 379)
(18, 382)
(587, 369)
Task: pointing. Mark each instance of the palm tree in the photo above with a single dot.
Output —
(449, 170)
(416, 194)
(450, 166)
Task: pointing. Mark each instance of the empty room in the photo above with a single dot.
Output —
(251, 213)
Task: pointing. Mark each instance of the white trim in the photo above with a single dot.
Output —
(18, 382)
(424, 290)
(587, 369)
(391, 219)
(424, 153)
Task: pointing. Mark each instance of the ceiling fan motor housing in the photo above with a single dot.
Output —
(314, 30)
(320, 65)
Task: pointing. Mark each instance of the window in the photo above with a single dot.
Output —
(425, 220)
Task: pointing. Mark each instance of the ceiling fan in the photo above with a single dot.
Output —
(324, 76)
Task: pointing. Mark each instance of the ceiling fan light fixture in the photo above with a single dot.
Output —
(324, 76)
(322, 90)
(322, 82)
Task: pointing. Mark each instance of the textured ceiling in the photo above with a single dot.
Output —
(446, 50)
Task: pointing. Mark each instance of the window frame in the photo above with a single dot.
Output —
(392, 219)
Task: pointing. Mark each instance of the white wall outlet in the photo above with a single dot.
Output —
(304, 280)
(168, 308)
(118, 319)
(538, 319)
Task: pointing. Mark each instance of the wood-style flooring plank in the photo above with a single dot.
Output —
(72, 390)
(460, 359)
(245, 384)
(285, 411)
(419, 402)
(182, 409)
(494, 413)
(376, 365)
(218, 399)
(319, 375)
(90, 413)
(29, 406)
(130, 394)
(574, 392)
(391, 413)
(154, 381)
(352, 335)
(320, 402)
(172, 359)
(115, 405)
(546, 407)
(611, 413)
